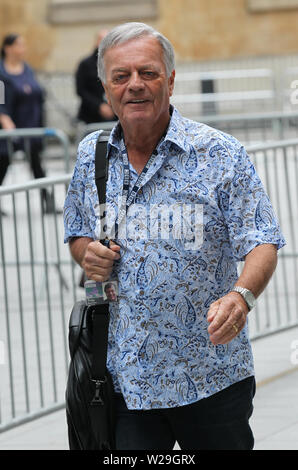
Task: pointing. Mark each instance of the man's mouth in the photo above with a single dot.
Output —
(137, 101)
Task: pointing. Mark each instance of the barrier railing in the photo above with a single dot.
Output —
(85, 129)
(42, 132)
(38, 289)
(40, 284)
(277, 165)
(248, 128)
(256, 128)
(233, 90)
(221, 91)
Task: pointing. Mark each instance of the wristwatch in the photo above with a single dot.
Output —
(247, 296)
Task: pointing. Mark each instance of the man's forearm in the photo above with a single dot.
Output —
(258, 268)
(78, 247)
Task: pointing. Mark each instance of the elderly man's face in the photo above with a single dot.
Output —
(111, 293)
(137, 85)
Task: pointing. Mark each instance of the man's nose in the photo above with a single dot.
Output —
(136, 82)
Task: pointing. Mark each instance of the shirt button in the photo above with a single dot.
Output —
(142, 292)
(141, 259)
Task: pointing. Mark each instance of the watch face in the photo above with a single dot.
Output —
(250, 299)
(247, 296)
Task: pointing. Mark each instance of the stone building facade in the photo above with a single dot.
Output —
(60, 32)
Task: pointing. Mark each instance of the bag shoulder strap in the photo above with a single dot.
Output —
(100, 313)
(101, 165)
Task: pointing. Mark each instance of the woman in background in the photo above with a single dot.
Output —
(22, 108)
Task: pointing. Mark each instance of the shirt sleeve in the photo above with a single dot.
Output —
(247, 210)
(77, 220)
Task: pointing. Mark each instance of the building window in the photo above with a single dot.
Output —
(271, 5)
(101, 11)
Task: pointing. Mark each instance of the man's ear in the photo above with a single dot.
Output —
(171, 81)
(107, 94)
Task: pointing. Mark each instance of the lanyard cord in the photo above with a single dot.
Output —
(127, 198)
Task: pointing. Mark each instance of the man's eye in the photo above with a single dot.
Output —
(120, 78)
(149, 74)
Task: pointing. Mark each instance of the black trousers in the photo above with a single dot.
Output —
(34, 157)
(220, 422)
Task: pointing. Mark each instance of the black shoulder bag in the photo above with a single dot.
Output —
(89, 391)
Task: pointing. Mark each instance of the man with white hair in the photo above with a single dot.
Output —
(179, 351)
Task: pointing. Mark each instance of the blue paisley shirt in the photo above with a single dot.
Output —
(159, 352)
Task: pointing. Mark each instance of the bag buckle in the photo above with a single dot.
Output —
(98, 396)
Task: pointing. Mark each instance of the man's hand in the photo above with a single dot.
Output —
(106, 111)
(96, 259)
(227, 317)
(99, 259)
(6, 122)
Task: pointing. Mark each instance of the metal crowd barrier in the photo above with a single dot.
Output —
(221, 91)
(277, 165)
(256, 128)
(252, 128)
(233, 90)
(38, 288)
(42, 132)
(40, 285)
(85, 129)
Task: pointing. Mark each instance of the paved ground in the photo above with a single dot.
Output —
(275, 418)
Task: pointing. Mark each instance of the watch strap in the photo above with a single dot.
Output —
(245, 293)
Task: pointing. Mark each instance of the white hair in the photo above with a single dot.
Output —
(124, 33)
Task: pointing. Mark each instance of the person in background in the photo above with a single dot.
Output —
(93, 107)
(22, 108)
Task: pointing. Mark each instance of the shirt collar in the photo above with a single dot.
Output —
(175, 133)
(176, 130)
